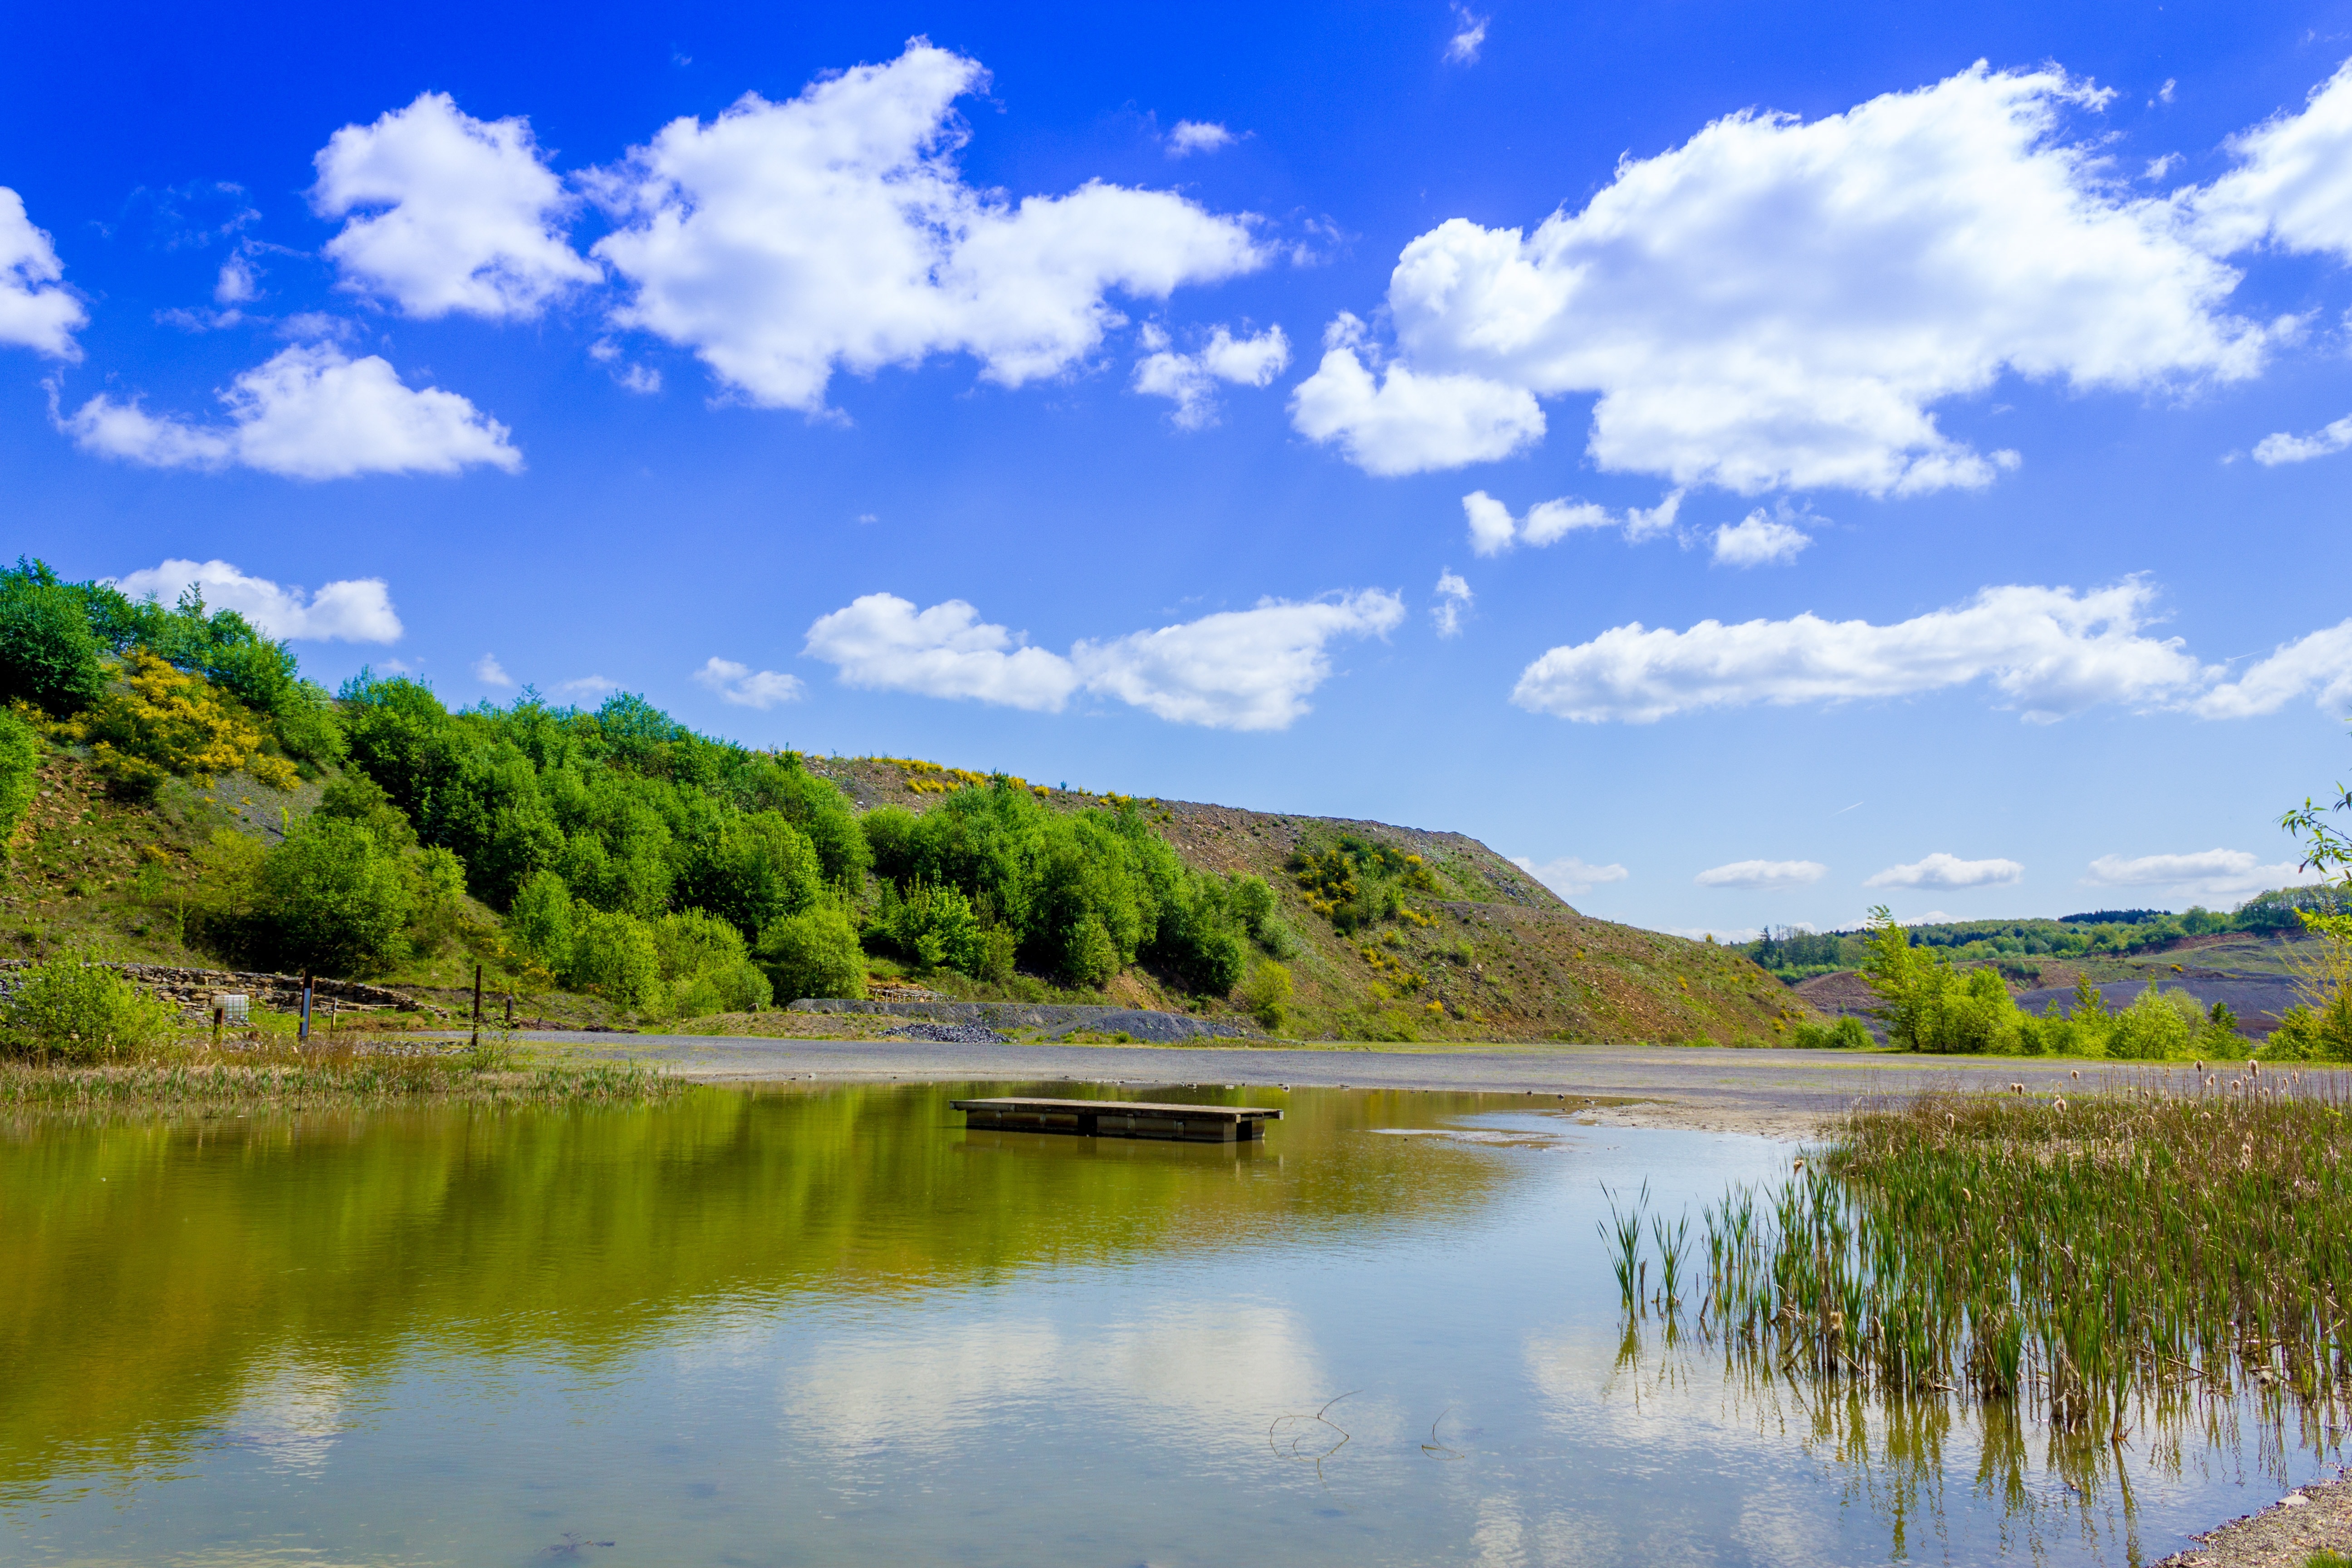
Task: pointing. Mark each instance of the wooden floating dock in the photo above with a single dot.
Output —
(1120, 1119)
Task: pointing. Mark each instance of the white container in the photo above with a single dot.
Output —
(233, 1005)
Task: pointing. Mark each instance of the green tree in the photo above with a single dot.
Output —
(334, 900)
(614, 955)
(814, 954)
(1267, 993)
(541, 921)
(48, 656)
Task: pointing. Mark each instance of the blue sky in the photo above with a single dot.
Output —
(1751, 463)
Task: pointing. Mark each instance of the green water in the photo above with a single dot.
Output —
(830, 1326)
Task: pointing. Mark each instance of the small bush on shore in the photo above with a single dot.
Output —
(75, 1009)
(813, 954)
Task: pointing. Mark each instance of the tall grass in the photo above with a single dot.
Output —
(357, 1074)
(2183, 1241)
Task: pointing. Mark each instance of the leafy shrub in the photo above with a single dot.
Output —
(1089, 955)
(613, 955)
(2155, 1026)
(933, 926)
(814, 954)
(48, 654)
(1267, 993)
(706, 966)
(541, 921)
(21, 751)
(1253, 904)
(78, 1009)
(1845, 1034)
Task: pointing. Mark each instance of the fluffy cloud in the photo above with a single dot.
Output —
(1762, 876)
(745, 686)
(587, 689)
(453, 214)
(1569, 876)
(882, 643)
(311, 414)
(1942, 871)
(2319, 663)
(2282, 448)
(1404, 422)
(2050, 651)
(357, 609)
(1242, 669)
(1198, 136)
(783, 241)
(1189, 380)
(36, 310)
(1453, 597)
(1759, 539)
(1493, 530)
(2293, 184)
(492, 674)
(1781, 304)
(2213, 873)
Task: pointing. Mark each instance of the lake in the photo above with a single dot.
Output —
(826, 1325)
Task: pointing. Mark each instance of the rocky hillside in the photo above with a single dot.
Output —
(1487, 953)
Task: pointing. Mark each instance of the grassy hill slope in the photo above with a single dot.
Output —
(1499, 958)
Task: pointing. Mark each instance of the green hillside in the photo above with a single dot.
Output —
(180, 796)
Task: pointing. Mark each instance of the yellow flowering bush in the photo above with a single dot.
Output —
(163, 721)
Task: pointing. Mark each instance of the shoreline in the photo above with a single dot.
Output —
(2317, 1516)
(1788, 1094)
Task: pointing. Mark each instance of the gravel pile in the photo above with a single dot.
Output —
(948, 1034)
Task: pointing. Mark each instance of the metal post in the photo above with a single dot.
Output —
(477, 1005)
(509, 1009)
(304, 1038)
(219, 1013)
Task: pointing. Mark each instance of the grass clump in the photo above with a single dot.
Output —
(2185, 1239)
(363, 1075)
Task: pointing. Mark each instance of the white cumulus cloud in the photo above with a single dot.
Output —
(2210, 873)
(492, 674)
(1493, 530)
(783, 241)
(2320, 663)
(1569, 876)
(1776, 303)
(357, 609)
(1407, 422)
(1453, 599)
(448, 212)
(311, 413)
(1942, 871)
(1762, 876)
(1189, 380)
(1198, 136)
(1759, 539)
(37, 310)
(2050, 651)
(1240, 669)
(2293, 184)
(745, 686)
(2282, 448)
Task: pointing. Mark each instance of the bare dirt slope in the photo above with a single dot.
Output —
(1501, 957)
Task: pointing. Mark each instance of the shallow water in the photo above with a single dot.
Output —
(830, 1326)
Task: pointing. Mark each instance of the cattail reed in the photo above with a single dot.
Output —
(2178, 1242)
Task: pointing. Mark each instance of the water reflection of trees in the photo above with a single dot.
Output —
(150, 1272)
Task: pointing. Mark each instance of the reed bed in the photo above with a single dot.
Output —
(357, 1074)
(2183, 1240)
